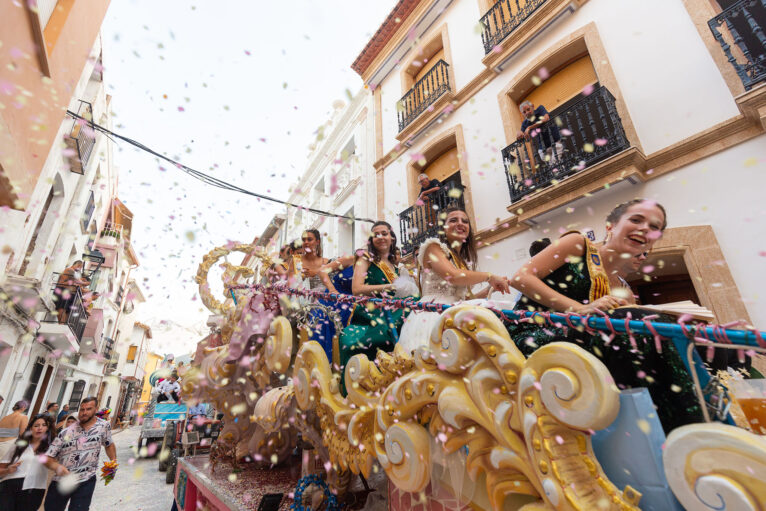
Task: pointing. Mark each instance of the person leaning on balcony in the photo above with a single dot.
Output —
(69, 281)
(428, 187)
(534, 121)
(576, 275)
(14, 423)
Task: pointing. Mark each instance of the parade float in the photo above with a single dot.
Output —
(468, 424)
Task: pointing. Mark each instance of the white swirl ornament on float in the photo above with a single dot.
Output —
(716, 467)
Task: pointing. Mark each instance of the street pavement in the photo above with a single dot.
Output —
(138, 485)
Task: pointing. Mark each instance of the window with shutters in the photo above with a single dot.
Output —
(132, 354)
(76, 397)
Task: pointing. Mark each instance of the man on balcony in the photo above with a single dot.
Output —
(545, 134)
(67, 287)
(428, 187)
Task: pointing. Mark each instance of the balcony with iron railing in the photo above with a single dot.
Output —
(504, 17)
(420, 222)
(67, 320)
(433, 85)
(81, 140)
(107, 348)
(741, 31)
(587, 132)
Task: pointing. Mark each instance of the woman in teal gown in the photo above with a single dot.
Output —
(574, 275)
(373, 327)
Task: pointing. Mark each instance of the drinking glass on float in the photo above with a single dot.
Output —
(750, 395)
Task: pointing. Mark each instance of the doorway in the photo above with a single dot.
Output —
(42, 392)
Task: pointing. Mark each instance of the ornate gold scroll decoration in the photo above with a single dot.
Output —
(230, 273)
(524, 422)
(716, 466)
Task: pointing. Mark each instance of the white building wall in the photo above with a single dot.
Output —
(656, 59)
(324, 163)
(708, 192)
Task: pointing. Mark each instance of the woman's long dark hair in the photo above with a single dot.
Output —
(392, 257)
(318, 237)
(467, 250)
(25, 438)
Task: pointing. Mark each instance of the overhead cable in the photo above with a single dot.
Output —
(206, 178)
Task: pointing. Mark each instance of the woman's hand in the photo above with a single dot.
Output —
(13, 467)
(499, 283)
(605, 303)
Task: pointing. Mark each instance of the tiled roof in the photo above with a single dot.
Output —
(400, 12)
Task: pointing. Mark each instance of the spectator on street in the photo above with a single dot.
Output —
(52, 410)
(14, 423)
(23, 477)
(170, 389)
(534, 127)
(76, 451)
(63, 413)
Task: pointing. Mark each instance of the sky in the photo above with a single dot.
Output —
(236, 89)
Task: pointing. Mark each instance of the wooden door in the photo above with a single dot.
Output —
(43, 390)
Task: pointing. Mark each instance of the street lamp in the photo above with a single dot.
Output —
(92, 262)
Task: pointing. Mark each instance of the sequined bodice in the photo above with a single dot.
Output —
(436, 289)
(433, 287)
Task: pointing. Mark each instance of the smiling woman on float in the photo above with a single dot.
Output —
(447, 271)
(575, 275)
(375, 271)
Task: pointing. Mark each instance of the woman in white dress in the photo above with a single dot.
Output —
(447, 271)
(23, 477)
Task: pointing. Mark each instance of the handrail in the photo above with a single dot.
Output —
(424, 93)
(501, 19)
(701, 332)
(587, 132)
(744, 32)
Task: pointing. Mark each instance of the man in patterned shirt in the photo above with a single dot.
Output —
(76, 451)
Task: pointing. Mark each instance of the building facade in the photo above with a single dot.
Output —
(57, 339)
(658, 99)
(338, 179)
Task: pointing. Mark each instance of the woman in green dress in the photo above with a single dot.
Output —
(575, 275)
(373, 327)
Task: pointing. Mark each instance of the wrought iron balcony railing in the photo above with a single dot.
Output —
(741, 31)
(81, 140)
(107, 348)
(585, 133)
(503, 18)
(417, 223)
(423, 94)
(69, 310)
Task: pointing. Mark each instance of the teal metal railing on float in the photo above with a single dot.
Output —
(684, 336)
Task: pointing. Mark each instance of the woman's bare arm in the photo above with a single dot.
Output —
(358, 286)
(435, 260)
(530, 277)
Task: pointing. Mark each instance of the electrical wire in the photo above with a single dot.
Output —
(206, 178)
